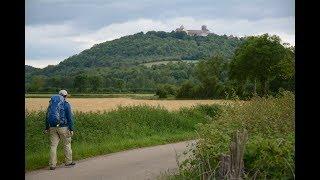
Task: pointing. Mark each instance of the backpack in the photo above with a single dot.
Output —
(56, 114)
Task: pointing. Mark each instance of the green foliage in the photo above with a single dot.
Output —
(163, 90)
(270, 158)
(269, 152)
(122, 79)
(105, 132)
(95, 82)
(210, 110)
(80, 82)
(38, 83)
(212, 74)
(117, 62)
(260, 59)
(260, 65)
(186, 90)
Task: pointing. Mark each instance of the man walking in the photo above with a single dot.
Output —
(59, 123)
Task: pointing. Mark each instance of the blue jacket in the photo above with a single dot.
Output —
(68, 116)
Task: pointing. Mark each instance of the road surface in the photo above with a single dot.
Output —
(142, 163)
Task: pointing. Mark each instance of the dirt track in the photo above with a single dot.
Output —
(143, 163)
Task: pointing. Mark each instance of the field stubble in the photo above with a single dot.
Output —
(108, 104)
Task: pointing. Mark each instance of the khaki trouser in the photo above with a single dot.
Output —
(57, 133)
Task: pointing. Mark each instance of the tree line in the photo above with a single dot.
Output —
(260, 65)
(132, 79)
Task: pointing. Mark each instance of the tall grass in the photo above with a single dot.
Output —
(99, 133)
(269, 152)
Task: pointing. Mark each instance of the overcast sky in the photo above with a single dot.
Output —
(58, 29)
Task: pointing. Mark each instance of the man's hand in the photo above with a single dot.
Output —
(46, 131)
(71, 132)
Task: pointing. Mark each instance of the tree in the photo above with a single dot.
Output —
(260, 59)
(80, 82)
(186, 90)
(95, 82)
(211, 74)
(119, 83)
(161, 92)
(38, 82)
(55, 82)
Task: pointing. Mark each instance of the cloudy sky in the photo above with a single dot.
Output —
(57, 29)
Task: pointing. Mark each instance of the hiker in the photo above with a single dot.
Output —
(59, 124)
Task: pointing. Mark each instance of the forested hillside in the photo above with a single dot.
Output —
(153, 46)
(224, 67)
(114, 66)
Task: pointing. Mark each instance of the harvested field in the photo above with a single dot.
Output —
(108, 104)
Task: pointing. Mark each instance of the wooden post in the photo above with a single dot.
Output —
(255, 87)
(224, 168)
(231, 167)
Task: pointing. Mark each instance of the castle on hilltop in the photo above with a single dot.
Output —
(203, 32)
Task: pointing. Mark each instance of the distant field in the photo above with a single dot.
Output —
(166, 62)
(137, 96)
(108, 104)
(158, 62)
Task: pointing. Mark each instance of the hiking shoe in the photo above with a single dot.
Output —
(52, 168)
(71, 164)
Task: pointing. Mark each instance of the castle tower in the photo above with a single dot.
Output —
(204, 28)
(181, 28)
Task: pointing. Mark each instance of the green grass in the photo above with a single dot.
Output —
(121, 129)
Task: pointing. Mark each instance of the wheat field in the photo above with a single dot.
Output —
(108, 104)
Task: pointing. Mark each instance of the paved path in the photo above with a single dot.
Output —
(142, 163)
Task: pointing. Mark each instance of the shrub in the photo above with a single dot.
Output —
(269, 151)
(161, 92)
(210, 110)
(186, 90)
(271, 158)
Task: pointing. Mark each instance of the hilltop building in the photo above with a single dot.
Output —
(203, 32)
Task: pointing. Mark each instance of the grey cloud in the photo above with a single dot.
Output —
(97, 13)
(75, 24)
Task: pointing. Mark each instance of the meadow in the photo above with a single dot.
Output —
(102, 126)
(98, 133)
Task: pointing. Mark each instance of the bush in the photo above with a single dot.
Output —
(171, 89)
(210, 110)
(161, 92)
(271, 158)
(186, 90)
(269, 153)
(164, 90)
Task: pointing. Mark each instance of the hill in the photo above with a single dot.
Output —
(30, 69)
(128, 52)
(149, 47)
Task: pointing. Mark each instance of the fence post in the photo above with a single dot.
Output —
(231, 167)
